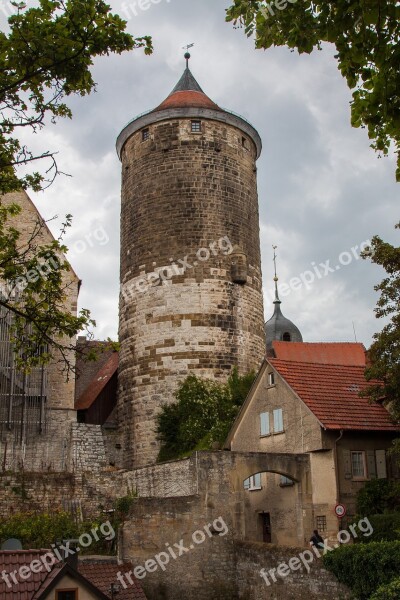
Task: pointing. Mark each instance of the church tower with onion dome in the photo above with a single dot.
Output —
(279, 327)
(191, 291)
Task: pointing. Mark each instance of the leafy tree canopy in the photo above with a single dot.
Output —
(384, 354)
(45, 56)
(203, 414)
(366, 36)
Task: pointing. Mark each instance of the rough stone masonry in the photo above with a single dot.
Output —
(191, 298)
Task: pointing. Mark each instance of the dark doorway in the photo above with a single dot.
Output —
(266, 527)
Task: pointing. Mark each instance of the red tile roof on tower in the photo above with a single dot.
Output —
(331, 392)
(187, 94)
(321, 353)
(187, 99)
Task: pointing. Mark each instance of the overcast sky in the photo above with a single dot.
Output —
(322, 190)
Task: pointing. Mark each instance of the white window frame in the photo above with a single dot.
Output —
(271, 378)
(253, 483)
(278, 420)
(359, 477)
(265, 424)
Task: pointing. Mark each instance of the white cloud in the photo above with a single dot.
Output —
(321, 188)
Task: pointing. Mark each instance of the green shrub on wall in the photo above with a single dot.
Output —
(203, 414)
(391, 591)
(377, 497)
(365, 567)
(386, 528)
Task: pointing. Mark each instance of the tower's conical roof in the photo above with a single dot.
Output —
(187, 93)
(187, 100)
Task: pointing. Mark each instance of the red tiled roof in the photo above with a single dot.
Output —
(187, 99)
(331, 393)
(13, 560)
(103, 574)
(49, 578)
(86, 370)
(98, 383)
(321, 353)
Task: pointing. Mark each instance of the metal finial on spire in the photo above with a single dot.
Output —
(276, 277)
(187, 53)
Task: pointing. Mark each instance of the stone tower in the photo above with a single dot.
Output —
(191, 294)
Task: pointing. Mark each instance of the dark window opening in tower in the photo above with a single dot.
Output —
(286, 337)
(145, 135)
(245, 143)
(196, 126)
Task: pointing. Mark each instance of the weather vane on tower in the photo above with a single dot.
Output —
(187, 53)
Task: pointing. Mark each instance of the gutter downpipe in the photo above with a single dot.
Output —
(337, 471)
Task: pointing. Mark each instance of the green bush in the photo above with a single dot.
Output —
(391, 591)
(203, 414)
(377, 497)
(365, 567)
(386, 528)
(40, 530)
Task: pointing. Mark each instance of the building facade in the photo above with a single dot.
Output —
(306, 401)
(36, 409)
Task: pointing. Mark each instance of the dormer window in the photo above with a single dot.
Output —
(196, 126)
(287, 337)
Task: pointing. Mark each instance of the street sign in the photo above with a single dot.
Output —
(340, 510)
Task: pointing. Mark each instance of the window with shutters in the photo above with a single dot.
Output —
(381, 471)
(278, 420)
(358, 465)
(264, 424)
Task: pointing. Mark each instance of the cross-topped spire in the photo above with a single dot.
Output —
(276, 277)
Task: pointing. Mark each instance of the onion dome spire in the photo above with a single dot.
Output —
(278, 327)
